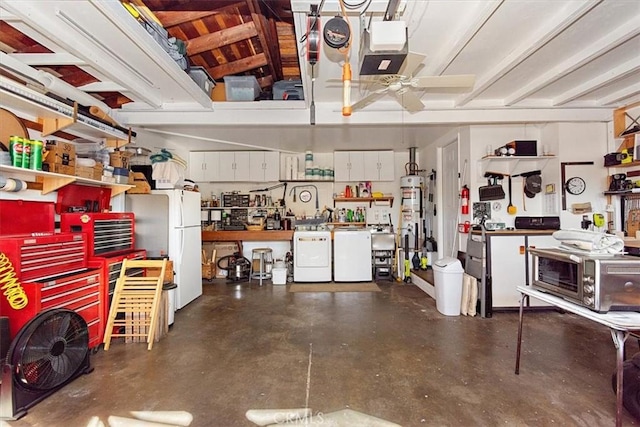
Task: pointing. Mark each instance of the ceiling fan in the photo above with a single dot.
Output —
(404, 84)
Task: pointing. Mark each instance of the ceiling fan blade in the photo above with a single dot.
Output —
(369, 99)
(462, 80)
(411, 64)
(409, 100)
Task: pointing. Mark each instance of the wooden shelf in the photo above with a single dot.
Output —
(622, 125)
(347, 224)
(53, 181)
(363, 199)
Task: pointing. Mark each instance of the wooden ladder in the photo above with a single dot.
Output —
(138, 298)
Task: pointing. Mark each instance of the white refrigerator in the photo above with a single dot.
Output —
(167, 222)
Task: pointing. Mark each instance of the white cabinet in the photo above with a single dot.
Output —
(363, 165)
(379, 166)
(264, 166)
(510, 267)
(234, 166)
(204, 166)
(348, 165)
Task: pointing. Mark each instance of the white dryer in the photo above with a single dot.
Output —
(312, 256)
(352, 255)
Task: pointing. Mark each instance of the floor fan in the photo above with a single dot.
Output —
(48, 352)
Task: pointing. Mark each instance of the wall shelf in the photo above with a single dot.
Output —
(513, 165)
(622, 127)
(363, 199)
(58, 116)
(53, 181)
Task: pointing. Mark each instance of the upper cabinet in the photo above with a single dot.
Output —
(364, 165)
(221, 166)
(264, 166)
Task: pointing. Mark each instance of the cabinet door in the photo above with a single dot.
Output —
(242, 166)
(341, 165)
(197, 165)
(356, 162)
(256, 166)
(271, 166)
(227, 166)
(371, 166)
(211, 166)
(386, 166)
(507, 270)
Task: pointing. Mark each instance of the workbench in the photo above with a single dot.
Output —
(622, 325)
(247, 236)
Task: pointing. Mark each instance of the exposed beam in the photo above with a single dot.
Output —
(103, 87)
(45, 59)
(547, 32)
(238, 67)
(264, 36)
(221, 38)
(621, 97)
(617, 73)
(442, 61)
(612, 40)
(173, 18)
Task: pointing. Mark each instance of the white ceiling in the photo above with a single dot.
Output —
(535, 61)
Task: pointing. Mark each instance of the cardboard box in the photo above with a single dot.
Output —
(62, 169)
(141, 186)
(219, 92)
(120, 159)
(208, 265)
(59, 152)
(223, 250)
(94, 172)
(168, 272)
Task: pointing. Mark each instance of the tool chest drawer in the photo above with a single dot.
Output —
(69, 289)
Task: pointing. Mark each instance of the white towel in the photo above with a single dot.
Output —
(590, 241)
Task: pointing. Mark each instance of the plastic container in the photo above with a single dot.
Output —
(202, 78)
(288, 90)
(447, 275)
(279, 275)
(241, 88)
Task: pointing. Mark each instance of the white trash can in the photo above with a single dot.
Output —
(447, 275)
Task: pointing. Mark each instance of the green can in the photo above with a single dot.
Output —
(36, 155)
(15, 150)
(26, 153)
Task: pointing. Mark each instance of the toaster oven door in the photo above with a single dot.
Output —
(558, 275)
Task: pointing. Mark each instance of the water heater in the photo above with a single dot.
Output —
(411, 207)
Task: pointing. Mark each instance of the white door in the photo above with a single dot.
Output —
(211, 166)
(507, 270)
(386, 165)
(242, 161)
(226, 165)
(256, 166)
(197, 165)
(187, 265)
(341, 166)
(190, 208)
(371, 166)
(356, 162)
(448, 211)
(271, 166)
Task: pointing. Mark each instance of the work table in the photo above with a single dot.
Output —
(515, 232)
(246, 235)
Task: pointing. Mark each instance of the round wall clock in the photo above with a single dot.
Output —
(305, 196)
(575, 185)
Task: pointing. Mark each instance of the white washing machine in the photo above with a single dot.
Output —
(352, 255)
(312, 256)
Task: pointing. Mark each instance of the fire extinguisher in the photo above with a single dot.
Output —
(464, 194)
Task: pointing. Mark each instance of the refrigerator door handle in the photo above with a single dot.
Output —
(182, 242)
(181, 211)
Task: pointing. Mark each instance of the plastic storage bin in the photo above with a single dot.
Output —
(447, 275)
(202, 78)
(288, 90)
(279, 275)
(241, 88)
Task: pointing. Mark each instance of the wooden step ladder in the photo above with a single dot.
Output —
(138, 298)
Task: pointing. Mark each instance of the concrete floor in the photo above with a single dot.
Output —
(388, 354)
